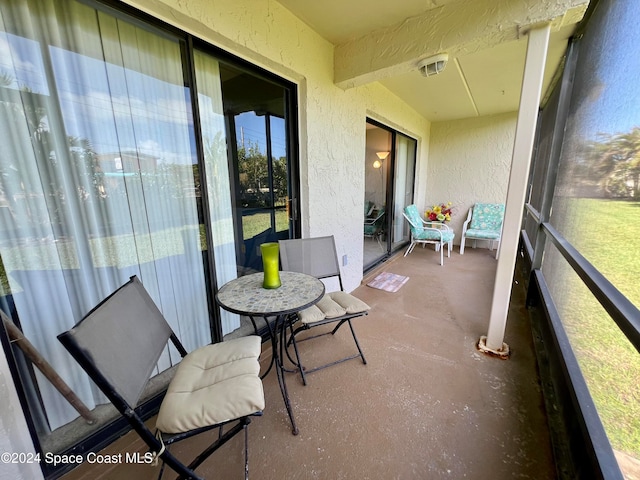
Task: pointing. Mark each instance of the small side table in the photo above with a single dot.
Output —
(245, 296)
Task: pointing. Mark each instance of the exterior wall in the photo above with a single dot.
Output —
(331, 120)
(469, 162)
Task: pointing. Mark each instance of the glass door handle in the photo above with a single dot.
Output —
(292, 209)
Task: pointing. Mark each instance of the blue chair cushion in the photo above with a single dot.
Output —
(447, 236)
(487, 216)
(370, 229)
(415, 220)
(482, 234)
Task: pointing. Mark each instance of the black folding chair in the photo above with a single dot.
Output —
(318, 257)
(119, 343)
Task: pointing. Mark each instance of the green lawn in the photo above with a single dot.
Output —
(257, 223)
(607, 233)
(120, 250)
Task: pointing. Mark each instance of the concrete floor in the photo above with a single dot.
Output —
(427, 405)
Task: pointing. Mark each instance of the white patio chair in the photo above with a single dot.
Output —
(484, 222)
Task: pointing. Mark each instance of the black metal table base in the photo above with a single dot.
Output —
(277, 334)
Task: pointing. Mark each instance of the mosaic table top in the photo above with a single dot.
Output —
(246, 296)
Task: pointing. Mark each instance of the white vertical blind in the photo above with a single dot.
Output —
(217, 169)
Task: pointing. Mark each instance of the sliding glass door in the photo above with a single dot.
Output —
(113, 164)
(390, 159)
(378, 158)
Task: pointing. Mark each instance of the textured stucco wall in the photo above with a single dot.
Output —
(469, 162)
(332, 121)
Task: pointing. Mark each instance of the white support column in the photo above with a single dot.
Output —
(537, 46)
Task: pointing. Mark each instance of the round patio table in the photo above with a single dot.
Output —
(246, 296)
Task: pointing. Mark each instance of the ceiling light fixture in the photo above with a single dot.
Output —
(433, 65)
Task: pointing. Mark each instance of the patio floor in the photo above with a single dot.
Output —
(427, 405)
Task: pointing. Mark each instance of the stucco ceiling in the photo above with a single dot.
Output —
(379, 40)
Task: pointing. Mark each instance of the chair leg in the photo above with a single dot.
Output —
(303, 372)
(379, 239)
(182, 470)
(246, 452)
(364, 360)
(292, 339)
(462, 245)
(441, 255)
(355, 339)
(163, 451)
(243, 423)
(410, 249)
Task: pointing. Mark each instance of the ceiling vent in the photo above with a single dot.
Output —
(433, 65)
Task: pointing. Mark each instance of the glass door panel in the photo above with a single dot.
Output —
(255, 193)
(404, 172)
(280, 169)
(260, 160)
(378, 157)
(390, 160)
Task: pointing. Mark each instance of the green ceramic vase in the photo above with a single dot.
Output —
(271, 265)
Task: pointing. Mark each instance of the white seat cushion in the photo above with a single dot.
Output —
(333, 305)
(350, 303)
(214, 384)
(311, 315)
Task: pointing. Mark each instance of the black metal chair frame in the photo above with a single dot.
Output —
(334, 272)
(157, 442)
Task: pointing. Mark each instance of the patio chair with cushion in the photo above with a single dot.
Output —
(374, 225)
(484, 222)
(368, 208)
(318, 257)
(428, 232)
(119, 344)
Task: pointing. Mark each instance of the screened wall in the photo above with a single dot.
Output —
(585, 188)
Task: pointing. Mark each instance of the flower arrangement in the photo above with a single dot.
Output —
(439, 213)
